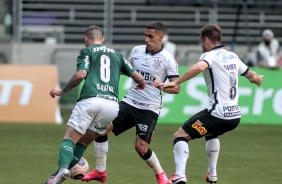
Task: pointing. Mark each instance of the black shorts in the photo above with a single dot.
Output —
(129, 116)
(203, 123)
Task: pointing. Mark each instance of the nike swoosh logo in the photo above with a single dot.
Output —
(177, 179)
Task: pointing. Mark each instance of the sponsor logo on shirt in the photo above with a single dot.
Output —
(86, 61)
(229, 111)
(231, 108)
(232, 114)
(198, 126)
(140, 104)
(147, 77)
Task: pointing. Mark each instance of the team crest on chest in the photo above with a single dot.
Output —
(157, 63)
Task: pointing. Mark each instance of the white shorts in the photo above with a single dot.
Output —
(93, 113)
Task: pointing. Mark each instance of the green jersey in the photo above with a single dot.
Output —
(103, 66)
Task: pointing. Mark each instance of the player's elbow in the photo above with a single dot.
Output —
(80, 75)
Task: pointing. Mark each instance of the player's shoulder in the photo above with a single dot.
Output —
(165, 53)
(139, 48)
(138, 51)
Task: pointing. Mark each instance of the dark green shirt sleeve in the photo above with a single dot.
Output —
(83, 60)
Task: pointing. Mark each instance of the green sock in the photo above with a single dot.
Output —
(65, 153)
(78, 151)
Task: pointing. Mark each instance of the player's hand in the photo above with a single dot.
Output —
(259, 80)
(158, 84)
(140, 86)
(56, 92)
(167, 85)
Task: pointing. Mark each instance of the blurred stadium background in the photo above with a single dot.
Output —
(50, 32)
(40, 32)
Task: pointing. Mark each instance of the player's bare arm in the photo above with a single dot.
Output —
(73, 82)
(174, 90)
(139, 80)
(254, 77)
(193, 71)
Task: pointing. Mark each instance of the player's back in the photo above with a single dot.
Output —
(104, 66)
(222, 82)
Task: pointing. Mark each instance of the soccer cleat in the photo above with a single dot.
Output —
(49, 180)
(211, 178)
(62, 175)
(95, 175)
(162, 178)
(178, 179)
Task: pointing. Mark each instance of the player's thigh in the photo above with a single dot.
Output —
(80, 118)
(203, 123)
(103, 113)
(124, 120)
(146, 121)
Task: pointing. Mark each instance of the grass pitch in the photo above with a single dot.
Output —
(249, 155)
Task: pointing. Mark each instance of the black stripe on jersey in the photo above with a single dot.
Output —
(173, 76)
(207, 63)
(212, 80)
(153, 53)
(245, 72)
(215, 102)
(165, 79)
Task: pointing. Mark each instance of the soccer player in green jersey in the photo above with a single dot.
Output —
(97, 105)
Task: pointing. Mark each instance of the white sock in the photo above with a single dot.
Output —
(181, 154)
(154, 163)
(100, 151)
(212, 150)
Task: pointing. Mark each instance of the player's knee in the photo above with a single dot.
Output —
(141, 149)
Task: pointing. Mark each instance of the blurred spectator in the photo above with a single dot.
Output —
(268, 52)
(8, 23)
(170, 47)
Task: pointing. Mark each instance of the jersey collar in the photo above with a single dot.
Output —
(218, 47)
(153, 53)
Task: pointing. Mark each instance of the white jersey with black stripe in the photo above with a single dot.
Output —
(160, 65)
(221, 78)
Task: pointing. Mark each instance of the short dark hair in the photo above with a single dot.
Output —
(158, 26)
(93, 32)
(212, 32)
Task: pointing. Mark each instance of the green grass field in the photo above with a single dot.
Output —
(249, 155)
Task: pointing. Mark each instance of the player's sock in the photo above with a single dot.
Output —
(55, 173)
(181, 154)
(101, 148)
(78, 151)
(212, 150)
(65, 153)
(151, 159)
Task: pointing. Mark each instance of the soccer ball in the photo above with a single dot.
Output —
(79, 170)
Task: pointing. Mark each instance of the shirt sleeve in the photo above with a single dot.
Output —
(242, 68)
(172, 68)
(205, 57)
(83, 60)
(127, 68)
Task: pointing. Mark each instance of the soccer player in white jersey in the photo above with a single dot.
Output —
(220, 69)
(140, 109)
